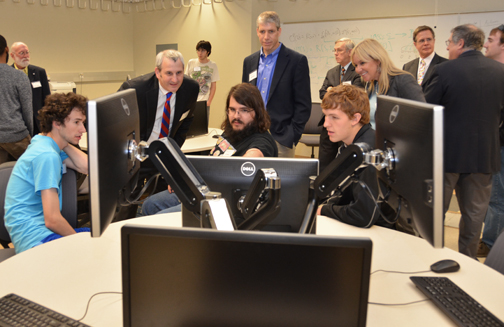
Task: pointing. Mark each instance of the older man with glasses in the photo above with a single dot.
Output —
(37, 76)
(469, 86)
(245, 134)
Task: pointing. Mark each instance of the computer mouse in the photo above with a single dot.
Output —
(215, 136)
(445, 266)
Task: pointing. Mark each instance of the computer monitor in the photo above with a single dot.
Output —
(113, 126)
(232, 176)
(414, 131)
(199, 125)
(204, 277)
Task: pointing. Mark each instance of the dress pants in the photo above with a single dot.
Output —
(473, 195)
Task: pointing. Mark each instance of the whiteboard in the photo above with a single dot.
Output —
(316, 39)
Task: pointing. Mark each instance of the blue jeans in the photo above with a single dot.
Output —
(162, 202)
(494, 219)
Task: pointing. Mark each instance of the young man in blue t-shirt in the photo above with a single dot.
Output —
(33, 197)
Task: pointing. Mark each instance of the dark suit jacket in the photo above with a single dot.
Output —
(289, 101)
(327, 149)
(406, 87)
(412, 67)
(333, 78)
(470, 88)
(147, 91)
(39, 93)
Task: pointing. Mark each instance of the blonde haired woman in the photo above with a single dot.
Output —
(381, 76)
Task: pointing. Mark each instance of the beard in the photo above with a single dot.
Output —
(22, 63)
(237, 136)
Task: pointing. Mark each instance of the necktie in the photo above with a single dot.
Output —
(165, 122)
(342, 74)
(421, 72)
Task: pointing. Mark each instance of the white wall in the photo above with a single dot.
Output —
(71, 40)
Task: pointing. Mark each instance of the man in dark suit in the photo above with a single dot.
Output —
(166, 101)
(152, 90)
(421, 68)
(343, 73)
(283, 78)
(473, 103)
(38, 79)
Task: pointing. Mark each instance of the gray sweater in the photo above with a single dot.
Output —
(16, 111)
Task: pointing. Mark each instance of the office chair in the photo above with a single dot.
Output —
(5, 172)
(311, 133)
(69, 204)
(495, 258)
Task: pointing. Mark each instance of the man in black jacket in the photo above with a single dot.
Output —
(469, 86)
(347, 120)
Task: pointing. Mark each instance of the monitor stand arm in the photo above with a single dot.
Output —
(338, 176)
(261, 204)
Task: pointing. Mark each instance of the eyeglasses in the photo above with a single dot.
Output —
(338, 51)
(239, 111)
(23, 53)
(447, 42)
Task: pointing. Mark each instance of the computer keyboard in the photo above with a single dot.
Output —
(456, 303)
(18, 311)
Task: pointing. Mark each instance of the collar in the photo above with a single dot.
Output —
(25, 70)
(361, 131)
(274, 53)
(346, 66)
(162, 90)
(427, 59)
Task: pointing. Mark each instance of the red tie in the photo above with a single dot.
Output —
(165, 123)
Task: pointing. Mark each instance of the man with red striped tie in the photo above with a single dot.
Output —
(167, 93)
(166, 101)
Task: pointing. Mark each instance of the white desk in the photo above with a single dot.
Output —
(193, 144)
(65, 273)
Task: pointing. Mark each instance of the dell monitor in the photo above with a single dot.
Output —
(113, 127)
(232, 177)
(414, 132)
(202, 277)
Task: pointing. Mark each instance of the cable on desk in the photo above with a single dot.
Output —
(401, 272)
(396, 304)
(89, 301)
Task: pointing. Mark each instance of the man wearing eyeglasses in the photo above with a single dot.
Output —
(421, 68)
(38, 79)
(245, 134)
(343, 73)
(494, 219)
(16, 117)
(469, 86)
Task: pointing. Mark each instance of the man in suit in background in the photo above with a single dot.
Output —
(343, 73)
(282, 76)
(421, 68)
(167, 84)
(469, 86)
(494, 219)
(38, 79)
